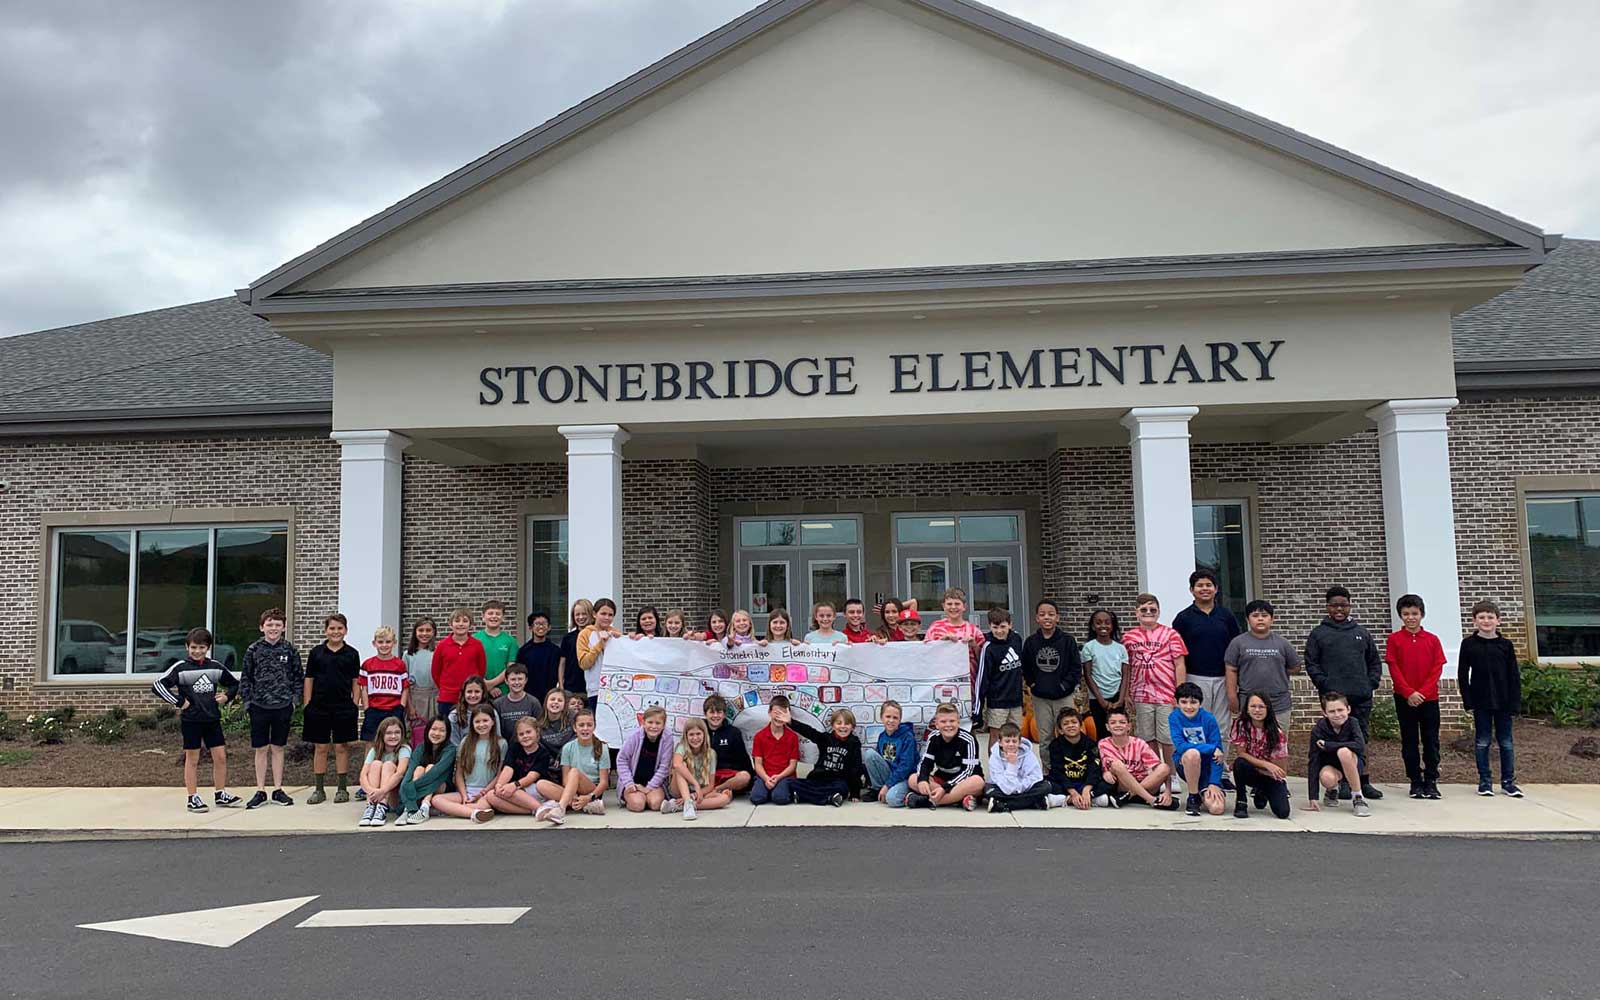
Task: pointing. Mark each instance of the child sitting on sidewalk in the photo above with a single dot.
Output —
(949, 771)
(839, 773)
(1015, 779)
(1129, 765)
(1075, 768)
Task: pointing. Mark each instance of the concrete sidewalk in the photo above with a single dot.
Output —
(51, 813)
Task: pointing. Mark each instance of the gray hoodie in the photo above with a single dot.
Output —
(1342, 656)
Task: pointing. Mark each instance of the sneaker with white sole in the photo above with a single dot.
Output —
(482, 815)
(993, 806)
(1056, 801)
(226, 799)
(1330, 798)
(1511, 789)
(558, 815)
(836, 799)
(595, 808)
(1486, 789)
(366, 816)
(404, 819)
(198, 805)
(257, 800)
(688, 809)
(281, 797)
(969, 802)
(382, 815)
(1107, 801)
(670, 806)
(544, 810)
(1358, 805)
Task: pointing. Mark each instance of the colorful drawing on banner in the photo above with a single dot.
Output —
(667, 685)
(817, 674)
(721, 670)
(623, 684)
(644, 682)
(752, 699)
(730, 689)
(945, 692)
(829, 694)
(605, 681)
(797, 673)
(805, 701)
(777, 673)
(878, 693)
(853, 692)
(678, 705)
(737, 671)
(654, 701)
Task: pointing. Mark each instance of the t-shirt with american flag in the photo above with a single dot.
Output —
(1153, 655)
(384, 681)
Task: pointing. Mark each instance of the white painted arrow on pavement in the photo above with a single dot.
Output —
(415, 917)
(222, 927)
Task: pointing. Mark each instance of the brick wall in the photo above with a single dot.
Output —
(1492, 442)
(669, 538)
(82, 476)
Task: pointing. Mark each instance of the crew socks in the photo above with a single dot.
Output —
(321, 778)
(344, 781)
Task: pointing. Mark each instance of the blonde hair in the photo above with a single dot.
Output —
(702, 765)
(842, 713)
(652, 712)
(581, 604)
(948, 708)
(385, 632)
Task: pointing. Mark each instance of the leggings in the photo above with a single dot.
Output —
(818, 791)
(435, 779)
(1031, 797)
(1246, 776)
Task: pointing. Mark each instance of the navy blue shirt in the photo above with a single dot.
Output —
(1207, 636)
(541, 659)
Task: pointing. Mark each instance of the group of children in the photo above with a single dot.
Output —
(473, 723)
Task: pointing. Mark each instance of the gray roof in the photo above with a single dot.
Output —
(146, 366)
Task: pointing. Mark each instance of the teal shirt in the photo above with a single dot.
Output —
(479, 775)
(816, 638)
(577, 755)
(399, 758)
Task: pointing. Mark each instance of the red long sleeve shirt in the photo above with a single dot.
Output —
(1415, 661)
(454, 662)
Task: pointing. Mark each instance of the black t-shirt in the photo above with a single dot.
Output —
(732, 754)
(523, 762)
(1074, 761)
(332, 672)
(649, 757)
(542, 660)
(573, 682)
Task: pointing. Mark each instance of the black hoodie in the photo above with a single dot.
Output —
(1342, 656)
(1348, 735)
(1051, 666)
(1487, 674)
(837, 760)
(1000, 673)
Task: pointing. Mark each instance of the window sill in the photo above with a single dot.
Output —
(94, 680)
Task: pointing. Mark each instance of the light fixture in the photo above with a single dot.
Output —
(698, 326)
(1033, 312)
(936, 523)
(817, 525)
(1152, 307)
(918, 316)
(586, 329)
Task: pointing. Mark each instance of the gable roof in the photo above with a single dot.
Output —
(260, 295)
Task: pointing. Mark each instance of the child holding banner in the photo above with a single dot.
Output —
(822, 631)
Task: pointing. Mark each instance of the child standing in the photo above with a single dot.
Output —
(1336, 755)
(839, 773)
(1197, 749)
(516, 704)
(1050, 664)
(855, 621)
(949, 771)
(388, 760)
(200, 686)
(779, 628)
(477, 764)
(542, 658)
(694, 770)
(889, 615)
(585, 772)
(1155, 669)
(269, 683)
(1105, 661)
(1416, 659)
(647, 624)
(672, 626)
(1261, 660)
(645, 762)
(383, 687)
(457, 656)
(910, 624)
(419, 664)
(332, 670)
(1016, 781)
(999, 688)
(1342, 656)
(716, 631)
(432, 767)
(499, 647)
(1075, 767)
(734, 772)
(1491, 689)
(569, 675)
(591, 644)
(893, 762)
(1207, 627)
(822, 631)
(742, 630)
(954, 627)
(775, 755)
(1260, 750)
(1131, 767)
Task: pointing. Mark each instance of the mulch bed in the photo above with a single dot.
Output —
(156, 759)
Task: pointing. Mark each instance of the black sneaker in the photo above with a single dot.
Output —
(836, 799)
(1416, 790)
(1241, 811)
(257, 800)
(1369, 791)
(198, 805)
(1486, 789)
(1191, 805)
(226, 799)
(281, 797)
(1430, 790)
(916, 800)
(1344, 791)
(1227, 784)
(1258, 798)
(1511, 789)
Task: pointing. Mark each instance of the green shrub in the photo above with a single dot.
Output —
(1383, 723)
(165, 712)
(107, 728)
(149, 721)
(234, 718)
(1567, 696)
(169, 724)
(117, 714)
(15, 757)
(46, 727)
(66, 713)
(8, 729)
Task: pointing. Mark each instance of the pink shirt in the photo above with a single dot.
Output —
(1153, 655)
(1137, 757)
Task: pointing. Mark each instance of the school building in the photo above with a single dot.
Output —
(847, 298)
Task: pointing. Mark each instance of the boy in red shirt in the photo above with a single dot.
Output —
(1416, 658)
(456, 657)
(383, 685)
(775, 753)
(1155, 669)
(855, 621)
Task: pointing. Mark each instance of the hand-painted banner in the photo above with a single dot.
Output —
(678, 675)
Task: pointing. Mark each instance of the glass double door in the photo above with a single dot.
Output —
(980, 553)
(796, 580)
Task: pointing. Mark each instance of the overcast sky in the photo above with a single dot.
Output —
(155, 153)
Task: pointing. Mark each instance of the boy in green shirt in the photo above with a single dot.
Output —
(499, 648)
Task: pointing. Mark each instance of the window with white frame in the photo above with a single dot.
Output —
(1222, 545)
(1564, 566)
(122, 600)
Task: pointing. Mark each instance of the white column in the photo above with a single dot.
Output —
(369, 531)
(1419, 523)
(594, 510)
(1163, 502)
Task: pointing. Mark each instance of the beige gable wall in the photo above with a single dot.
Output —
(869, 137)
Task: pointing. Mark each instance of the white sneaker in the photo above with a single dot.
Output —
(558, 815)
(1055, 801)
(544, 810)
(366, 815)
(404, 819)
(423, 811)
(670, 806)
(688, 809)
(1105, 802)
(595, 808)
(1172, 784)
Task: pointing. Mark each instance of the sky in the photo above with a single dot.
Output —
(168, 151)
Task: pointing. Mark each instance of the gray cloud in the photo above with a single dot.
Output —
(163, 152)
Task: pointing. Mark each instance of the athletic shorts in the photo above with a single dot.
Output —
(270, 726)
(373, 716)
(994, 718)
(320, 725)
(724, 774)
(199, 732)
(1150, 722)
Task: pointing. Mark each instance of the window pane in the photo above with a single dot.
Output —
(829, 582)
(828, 531)
(769, 587)
(1564, 549)
(171, 595)
(989, 528)
(1219, 547)
(991, 588)
(929, 578)
(252, 576)
(910, 530)
(754, 534)
(547, 569)
(92, 602)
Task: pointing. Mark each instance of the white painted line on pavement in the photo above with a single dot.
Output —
(415, 917)
(222, 927)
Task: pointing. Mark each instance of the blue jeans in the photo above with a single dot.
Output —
(779, 794)
(1487, 725)
(878, 771)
